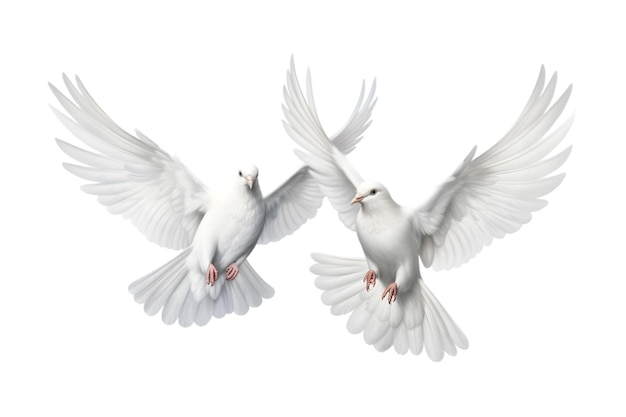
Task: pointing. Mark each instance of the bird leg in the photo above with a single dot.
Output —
(231, 271)
(392, 290)
(370, 279)
(211, 275)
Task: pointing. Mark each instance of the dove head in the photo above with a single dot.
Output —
(248, 175)
(371, 192)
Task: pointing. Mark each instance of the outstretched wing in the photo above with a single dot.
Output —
(298, 199)
(290, 206)
(326, 156)
(131, 175)
(495, 193)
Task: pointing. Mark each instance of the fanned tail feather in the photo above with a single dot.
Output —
(414, 321)
(168, 288)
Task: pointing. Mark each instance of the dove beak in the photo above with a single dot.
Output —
(250, 181)
(357, 199)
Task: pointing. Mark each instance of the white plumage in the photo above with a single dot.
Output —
(215, 231)
(487, 197)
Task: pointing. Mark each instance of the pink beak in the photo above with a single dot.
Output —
(250, 181)
(357, 199)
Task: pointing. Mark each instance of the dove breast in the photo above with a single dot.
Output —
(231, 229)
(389, 241)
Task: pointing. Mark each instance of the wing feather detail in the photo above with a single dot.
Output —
(290, 206)
(495, 193)
(298, 199)
(131, 175)
(323, 154)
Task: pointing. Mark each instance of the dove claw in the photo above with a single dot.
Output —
(211, 275)
(392, 290)
(370, 279)
(231, 271)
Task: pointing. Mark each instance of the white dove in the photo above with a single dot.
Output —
(216, 231)
(485, 198)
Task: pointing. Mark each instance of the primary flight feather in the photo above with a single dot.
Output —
(487, 197)
(215, 230)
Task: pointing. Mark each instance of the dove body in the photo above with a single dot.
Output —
(386, 235)
(215, 229)
(229, 231)
(487, 196)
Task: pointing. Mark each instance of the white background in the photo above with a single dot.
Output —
(543, 308)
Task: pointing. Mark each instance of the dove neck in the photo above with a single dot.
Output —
(239, 193)
(255, 192)
(382, 208)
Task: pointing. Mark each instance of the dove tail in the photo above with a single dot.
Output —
(415, 320)
(441, 333)
(169, 288)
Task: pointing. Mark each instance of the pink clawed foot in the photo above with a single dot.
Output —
(231, 271)
(370, 279)
(392, 290)
(211, 275)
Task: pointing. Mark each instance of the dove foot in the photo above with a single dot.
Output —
(211, 275)
(370, 279)
(391, 291)
(231, 271)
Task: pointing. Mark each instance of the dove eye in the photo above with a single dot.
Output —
(374, 191)
(240, 174)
